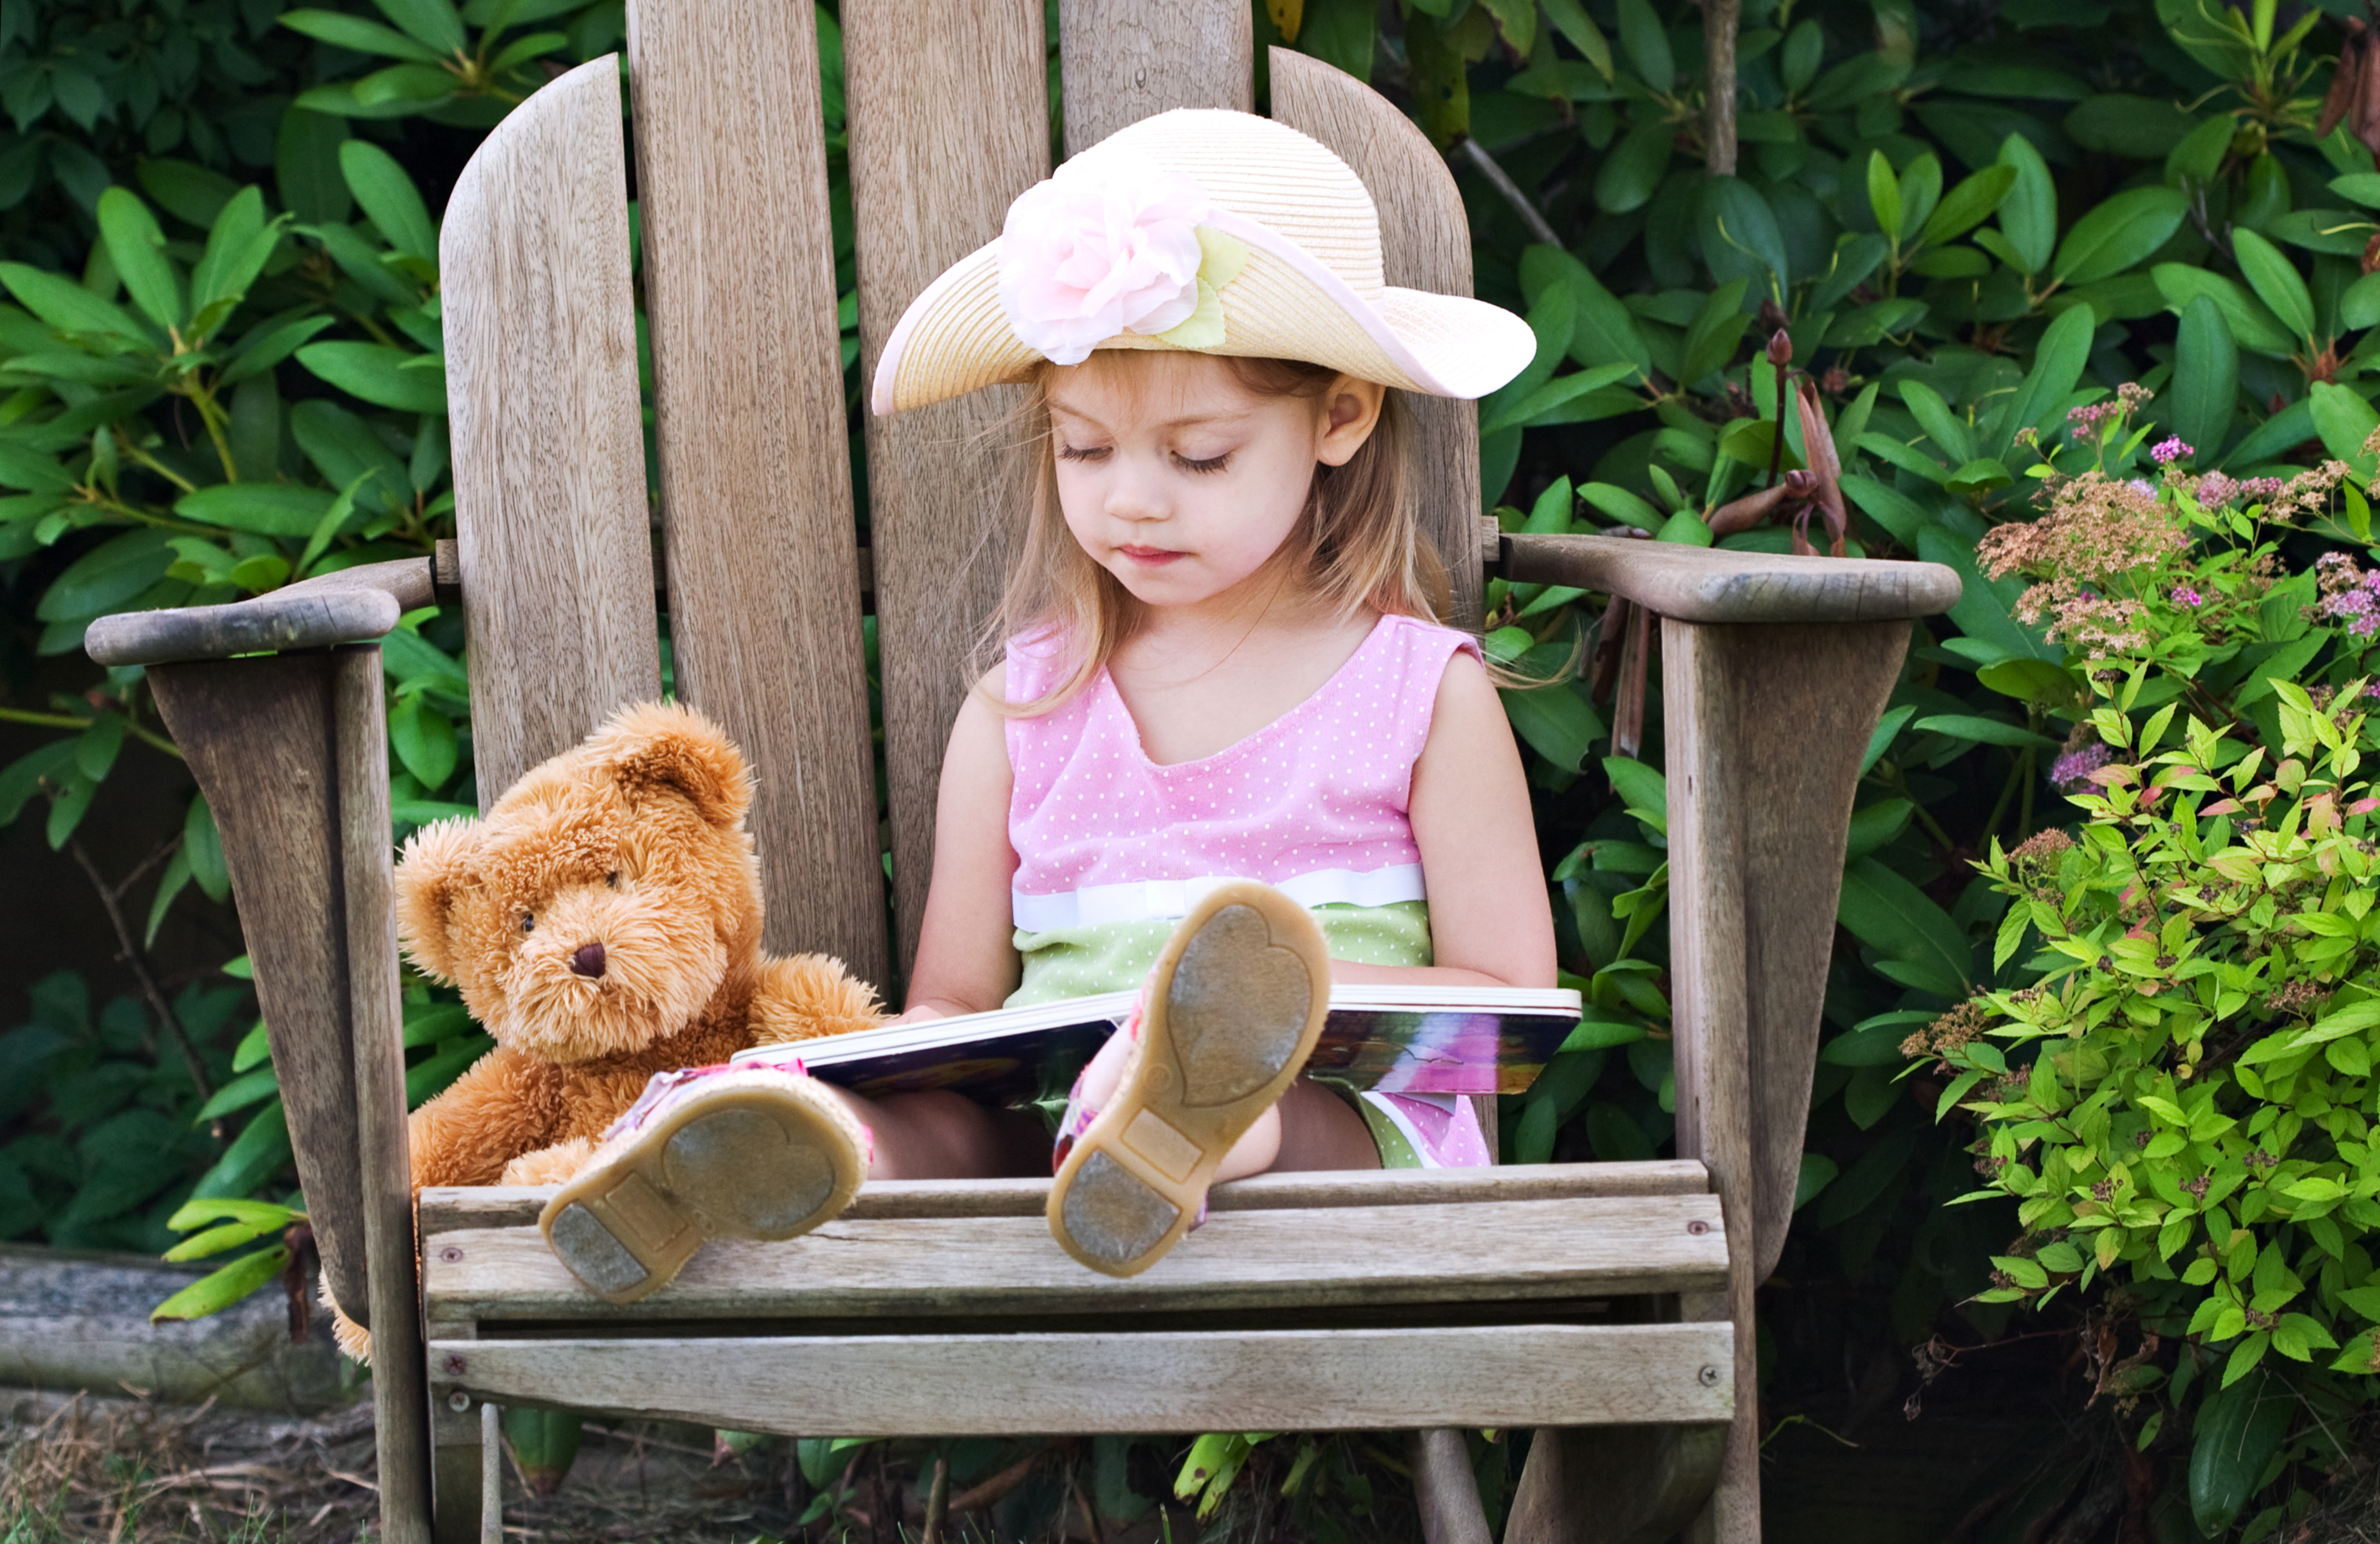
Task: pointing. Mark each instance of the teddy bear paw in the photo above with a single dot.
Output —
(810, 995)
(549, 1165)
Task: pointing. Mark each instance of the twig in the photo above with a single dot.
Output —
(1503, 183)
(135, 962)
(1719, 23)
(938, 1501)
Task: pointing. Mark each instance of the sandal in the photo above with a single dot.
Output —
(1231, 1011)
(714, 1152)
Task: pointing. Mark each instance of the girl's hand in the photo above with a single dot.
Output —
(918, 1014)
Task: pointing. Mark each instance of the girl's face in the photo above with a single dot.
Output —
(1181, 481)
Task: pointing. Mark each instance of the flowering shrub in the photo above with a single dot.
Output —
(2173, 1076)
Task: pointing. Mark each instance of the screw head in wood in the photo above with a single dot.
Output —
(1697, 1227)
(458, 1400)
(1140, 80)
(1708, 1378)
(455, 1367)
(450, 1254)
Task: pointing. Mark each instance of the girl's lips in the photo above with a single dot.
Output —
(1154, 556)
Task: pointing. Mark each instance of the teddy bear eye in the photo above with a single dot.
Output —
(528, 922)
(612, 879)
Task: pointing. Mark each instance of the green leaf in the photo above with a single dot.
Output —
(1817, 1172)
(1741, 238)
(1920, 189)
(1968, 204)
(1750, 441)
(136, 246)
(108, 575)
(1888, 913)
(1646, 44)
(2359, 305)
(202, 846)
(1641, 789)
(1881, 740)
(377, 374)
(2119, 233)
(1571, 19)
(354, 32)
(1631, 173)
(69, 307)
(399, 88)
(1718, 329)
(237, 1094)
(97, 748)
(1883, 194)
(238, 249)
(2204, 391)
(199, 1213)
(2237, 1430)
(389, 199)
(2028, 216)
(2254, 326)
(1554, 396)
(2029, 680)
(1556, 720)
(213, 1293)
(306, 167)
(2136, 128)
(259, 508)
(2058, 363)
(23, 777)
(2276, 282)
(424, 739)
(434, 24)
(1986, 731)
(2344, 420)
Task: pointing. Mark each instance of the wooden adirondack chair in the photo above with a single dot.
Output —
(1609, 1305)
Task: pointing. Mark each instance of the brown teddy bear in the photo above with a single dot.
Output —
(603, 922)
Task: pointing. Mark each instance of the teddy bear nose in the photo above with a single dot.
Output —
(587, 961)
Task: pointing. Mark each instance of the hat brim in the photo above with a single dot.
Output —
(954, 338)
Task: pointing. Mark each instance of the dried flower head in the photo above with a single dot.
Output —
(1948, 1033)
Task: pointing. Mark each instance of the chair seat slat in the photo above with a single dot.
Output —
(1432, 1252)
(1231, 1381)
(446, 1209)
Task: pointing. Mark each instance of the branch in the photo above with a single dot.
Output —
(1503, 183)
(1719, 19)
(110, 896)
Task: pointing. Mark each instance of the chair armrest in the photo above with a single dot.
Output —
(1707, 584)
(353, 605)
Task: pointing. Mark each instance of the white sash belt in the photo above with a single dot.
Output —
(1155, 900)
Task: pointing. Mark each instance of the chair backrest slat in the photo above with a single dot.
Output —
(549, 440)
(756, 477)
(1126, 60)
(949, 122)
(1425, 244)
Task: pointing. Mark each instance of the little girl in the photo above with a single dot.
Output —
(1225, 744)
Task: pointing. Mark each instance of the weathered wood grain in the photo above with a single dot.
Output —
(1613, 1484)
(1707, 584)
(948, 125)
(1126, 60)
(1443, 1253)
(964, 1385)
(548, 432)
(349, 606)
(446, 1209)
(1425, 244)
(755, 462)
(256, 732)
(460, 1473)
(376, 1035)
(1767, 727)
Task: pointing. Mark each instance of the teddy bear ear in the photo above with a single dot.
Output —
(436, 860)
(664, 747)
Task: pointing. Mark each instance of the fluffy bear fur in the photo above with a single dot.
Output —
(633, 841)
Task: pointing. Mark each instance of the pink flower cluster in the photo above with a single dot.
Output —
(2348, 591)
(2073, 770)
(2170, 450)
(2184, 596)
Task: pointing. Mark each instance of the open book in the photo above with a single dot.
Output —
(1415, 1039)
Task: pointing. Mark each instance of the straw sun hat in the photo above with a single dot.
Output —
(1198, 229)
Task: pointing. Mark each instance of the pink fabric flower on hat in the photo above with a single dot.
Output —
(1108, 245)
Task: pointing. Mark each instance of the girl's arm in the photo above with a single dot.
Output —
(1489, 922)
(966, 955)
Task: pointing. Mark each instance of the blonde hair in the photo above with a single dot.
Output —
(1358, 541)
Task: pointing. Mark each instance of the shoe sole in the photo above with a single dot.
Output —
(771, 1161)
(1235, 1004)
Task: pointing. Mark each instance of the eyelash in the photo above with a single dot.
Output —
(1212, 464)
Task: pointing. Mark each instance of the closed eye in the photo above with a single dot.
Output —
(1076, 453)
(1212, 463)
